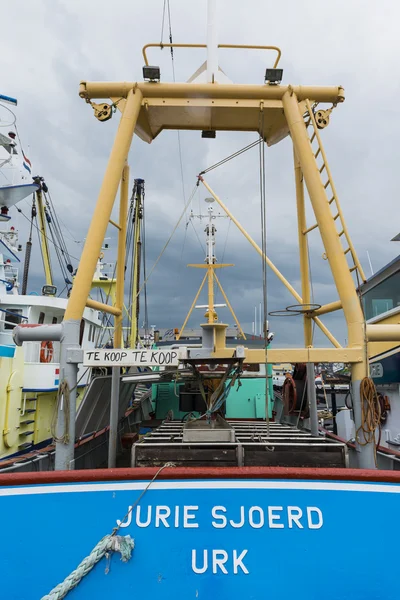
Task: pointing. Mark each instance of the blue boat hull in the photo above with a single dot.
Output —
(212, 533)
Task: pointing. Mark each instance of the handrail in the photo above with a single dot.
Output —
(235, 46)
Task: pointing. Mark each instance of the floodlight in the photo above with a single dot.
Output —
(151, 73)
(273, 76)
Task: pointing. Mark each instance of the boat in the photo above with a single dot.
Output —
(30, 374)
(210, 505)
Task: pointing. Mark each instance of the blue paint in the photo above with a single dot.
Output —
(68, 525)
(7, 351)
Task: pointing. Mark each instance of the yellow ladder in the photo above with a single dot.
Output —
(330, 190)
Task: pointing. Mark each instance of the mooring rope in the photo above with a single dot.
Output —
(109, 543)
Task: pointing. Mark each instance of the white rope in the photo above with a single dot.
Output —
(110, 543)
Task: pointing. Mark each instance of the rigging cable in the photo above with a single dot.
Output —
(168, 240)
(234, 155)
(166, 4)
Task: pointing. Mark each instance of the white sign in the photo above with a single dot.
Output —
(131, 357)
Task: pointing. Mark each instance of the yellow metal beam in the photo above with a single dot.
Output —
(112, 310)
(270, 264)
(230, 307)
(98, 226)
(303, 249)
(205, 266)
(328, 308)
(296, 355)
(115, 224)
(383, 333)
(210, 91)
(333, 247)
(230, 46)
(120, 269)
(192, 307)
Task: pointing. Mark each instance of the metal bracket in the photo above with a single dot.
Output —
(74, 356)
(102, 112)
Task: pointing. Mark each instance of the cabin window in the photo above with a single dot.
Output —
(54, 320)
(81, 331)
(41, 318)
(382, 297)
(12, 317)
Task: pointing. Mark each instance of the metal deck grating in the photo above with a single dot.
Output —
(284, 446)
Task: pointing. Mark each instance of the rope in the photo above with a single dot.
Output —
(62, 403)
(234, 155)
(371, 412)
(168, 241)
(109, 543)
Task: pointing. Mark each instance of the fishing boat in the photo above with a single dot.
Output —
(212, 505)
(30, 375)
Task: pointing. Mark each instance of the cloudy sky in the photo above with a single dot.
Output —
(48, 46)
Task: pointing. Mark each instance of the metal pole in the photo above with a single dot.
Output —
(312, 399)
(336, 257)
(303, 248)
(64, 460)
(119, 294)
(334, 408)
(270, 264)
(114, 409)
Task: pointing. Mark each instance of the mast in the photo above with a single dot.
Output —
(43, 232)
(137, 245)
(210, 260)
(212, 41)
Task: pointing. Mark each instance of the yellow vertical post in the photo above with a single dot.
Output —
(303, 248)
(43, 238)
(211, 310)
(336, 257)
(119, 293)
(119, 153)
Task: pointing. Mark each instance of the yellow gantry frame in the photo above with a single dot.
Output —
(276, 100)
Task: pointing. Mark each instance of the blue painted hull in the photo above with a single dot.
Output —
(193, 539)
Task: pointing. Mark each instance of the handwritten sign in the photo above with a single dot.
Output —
(131, 357)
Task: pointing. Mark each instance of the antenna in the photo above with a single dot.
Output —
(370, 264)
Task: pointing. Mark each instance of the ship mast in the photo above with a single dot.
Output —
(211, 265)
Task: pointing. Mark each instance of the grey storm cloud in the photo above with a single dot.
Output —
(48, 46)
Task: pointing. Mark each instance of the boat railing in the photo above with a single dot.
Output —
(228, 46)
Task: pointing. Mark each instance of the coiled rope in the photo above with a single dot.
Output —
(371, 413)
(62, 403)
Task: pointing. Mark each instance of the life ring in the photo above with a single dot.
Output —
(46, 352)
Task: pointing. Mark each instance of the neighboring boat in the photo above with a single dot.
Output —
(212, 506)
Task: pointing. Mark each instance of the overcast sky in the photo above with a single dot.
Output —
(48, 46)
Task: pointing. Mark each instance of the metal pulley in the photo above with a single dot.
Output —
(102, 112)
(322, 118)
